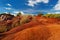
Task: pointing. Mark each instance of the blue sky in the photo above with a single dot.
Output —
(30, 6)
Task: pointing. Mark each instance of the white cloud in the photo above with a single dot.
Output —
(54, 12)
(8, 8)
(6, 12)
(15, 11)
(22, 12)
(9, 4)
(34, 2)
(57, 6)
(57, 12)
(18, 12)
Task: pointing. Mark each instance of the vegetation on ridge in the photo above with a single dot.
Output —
(8, 21)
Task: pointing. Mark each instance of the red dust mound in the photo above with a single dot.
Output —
(22, 27)
(39, 29)
(35, 33)
(47, 21)
(55, 31)
(49, 32)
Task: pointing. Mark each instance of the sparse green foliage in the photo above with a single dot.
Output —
(52, 15)
(19, 14)
(25, 19)
(40, 14)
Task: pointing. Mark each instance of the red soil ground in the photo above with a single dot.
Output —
(40, 29)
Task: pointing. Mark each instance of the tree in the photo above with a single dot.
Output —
(19, 14)
(40, 14)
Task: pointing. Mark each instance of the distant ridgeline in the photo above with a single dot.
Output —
(52, 15)
(9, 21)
(49, 15)
(5, 16)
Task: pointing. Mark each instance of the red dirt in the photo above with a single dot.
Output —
(40, 29)
(35, 33)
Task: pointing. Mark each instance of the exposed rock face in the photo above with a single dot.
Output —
(4, 17)
(38, 29)
(9, 21)
(4, 25)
